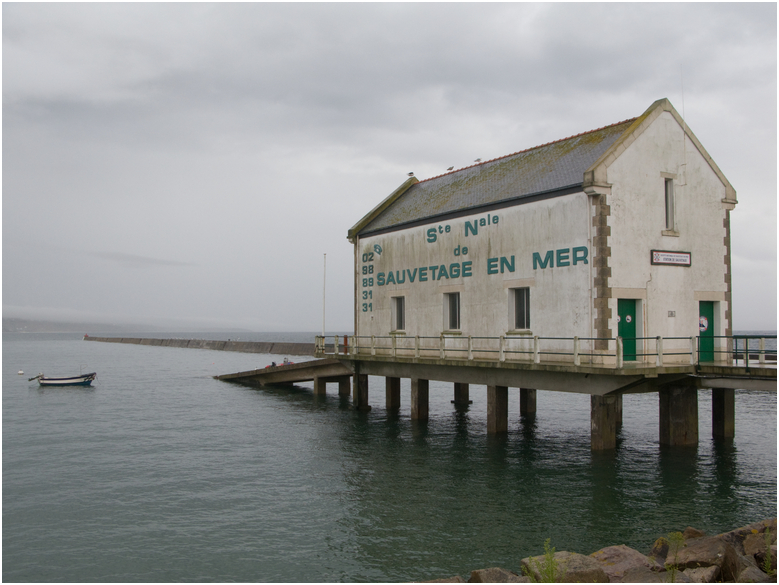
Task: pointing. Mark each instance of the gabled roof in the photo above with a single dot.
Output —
(596, 174)
(553, 169)
(543, 169)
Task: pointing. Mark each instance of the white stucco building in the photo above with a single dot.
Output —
(621, 231)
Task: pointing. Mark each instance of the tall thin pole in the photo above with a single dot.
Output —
(324, 287)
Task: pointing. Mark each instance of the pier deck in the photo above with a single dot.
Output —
(319, 371)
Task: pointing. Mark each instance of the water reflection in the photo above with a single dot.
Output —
(461, 421)
(725, 473)
(528, 427)
(608, 505)
(392, 426)
(442, 497)
(70, 390)
(204, 480)
(344, 401)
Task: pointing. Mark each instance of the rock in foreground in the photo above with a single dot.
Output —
(743, 555)
(496, 575)
(568, 567)
(615, 560)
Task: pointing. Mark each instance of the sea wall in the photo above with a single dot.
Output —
(266, 347)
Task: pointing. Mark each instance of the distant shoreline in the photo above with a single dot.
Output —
(14, 325)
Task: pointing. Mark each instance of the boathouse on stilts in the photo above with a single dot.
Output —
(596, 264)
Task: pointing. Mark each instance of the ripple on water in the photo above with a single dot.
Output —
(161, 473)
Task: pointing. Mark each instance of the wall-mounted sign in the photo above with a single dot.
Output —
(666, 258)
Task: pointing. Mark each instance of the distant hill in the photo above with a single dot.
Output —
(29, 326)
(14, 325)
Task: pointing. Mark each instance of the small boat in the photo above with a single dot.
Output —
(82, 380)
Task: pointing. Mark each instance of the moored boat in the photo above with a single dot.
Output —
(81, 380)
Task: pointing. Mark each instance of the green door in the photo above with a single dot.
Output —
(626, 328)
(706, 331)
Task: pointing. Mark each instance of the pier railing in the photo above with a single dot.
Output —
(746, 350)
(615, 352)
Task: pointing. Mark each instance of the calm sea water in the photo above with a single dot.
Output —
(161, 473)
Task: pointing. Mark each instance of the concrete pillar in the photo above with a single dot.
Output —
(723, 413)
(603, 422)
(393, 393)
(618, 411)
(344, 387)
(360, 392)
(497, 410)
(320, 386)
(527, 401)
(420, 399)
(679, 414)
(461, 394)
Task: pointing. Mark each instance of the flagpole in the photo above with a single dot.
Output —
(324, 286)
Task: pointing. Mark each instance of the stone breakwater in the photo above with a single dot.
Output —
(266, 347)
(744, 555)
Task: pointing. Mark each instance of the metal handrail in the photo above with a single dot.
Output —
(517, 348)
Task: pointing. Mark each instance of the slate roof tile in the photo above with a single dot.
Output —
(550, 167)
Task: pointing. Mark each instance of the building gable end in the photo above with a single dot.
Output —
(389, 200)
(596, 175)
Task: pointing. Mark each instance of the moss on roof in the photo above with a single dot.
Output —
(549, 167)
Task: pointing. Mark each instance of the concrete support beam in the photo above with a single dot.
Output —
(344, 387)
(320, 386)
(497, 410)
(360, 392)
(393, 393)
(723, 413)
(420, 399)
(512, 375)
(603, 422)
(679, 414)
(461, 394)
(527, 401)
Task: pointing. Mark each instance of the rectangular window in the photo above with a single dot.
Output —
(669, 204)
(453, 310)
(399, 313)
(521, 308)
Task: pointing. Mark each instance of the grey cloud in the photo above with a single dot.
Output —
(242, 140)
(249, 69)
(136, 261)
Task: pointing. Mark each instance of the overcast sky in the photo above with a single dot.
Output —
(191, 163)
